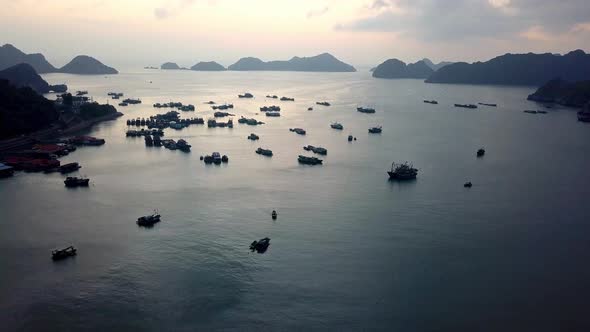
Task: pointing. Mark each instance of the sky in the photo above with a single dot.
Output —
(359, 32)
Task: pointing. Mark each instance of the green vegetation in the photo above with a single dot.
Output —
(94, 110)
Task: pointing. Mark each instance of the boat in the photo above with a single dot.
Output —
(273, 114)
(287, 99)
(375, 130)
(221, 114)
(224, 159)
(270, 109)
(336, 125)
(542, 112)
(490, 105)
(246, 95)
(350, 138)
(81, 93)
(210, 102)
(72, 181)
(216, 157)
(208, 159)
(468, 184)
(434, 102)
(123, 104)
(182, 145)
(316, 149)
(272, 96)
(481, 152)
(59, 254)
(584, 114)
(466, 105)
(148, 140)
(310, 108)
(149, 220)
(222, 107)
(323, 103)
(531, 111)
(403, 171)
(157, 140)
(260, 246)
(309, 160)
(6, 171)
(253, 137)
(264, 152)
(68, 168)
(298, 131)
(274, 214)
(365, 110)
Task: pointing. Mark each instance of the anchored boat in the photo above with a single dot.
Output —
(402, 171)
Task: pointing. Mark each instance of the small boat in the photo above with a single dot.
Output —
(274, 214)
(260, 246)
(323, 103)
(466, 105)
(403, 171)
(253, 137)
(350, 138)
(264, 152)
(490, 105)
(287, 99)
(222, 107)
(149, 220)
(298, 131)
(59, 254)
(221, 114)
(123, 104)
(246, 95)
(216, 157)
(148, 140)
(365, 110)
(72, 181)
(224, 159)
(81, 93)
(273, 114)
(531, 111)
(272, 96)
(182, 145)
(434, 102)
(337, 125)
(375, 130)
(210, 102)
(68, 168)
(309, 160)
(270, 109)
(310, 108)
(316, 149)
(542, 112)
(481, 152)
(468, 185)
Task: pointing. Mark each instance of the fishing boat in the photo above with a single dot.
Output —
(272, 108)
(216, 157)
(246, 95)
(466, 105)
(434, 102)
(323, 103)
(298, 131)
(72, 181)
(59, 254)
(309, 160)
(490, 105)
(273, 114)
(375, 130)
(481, 152)
(350, 138)
(274, 214)
(468, 184)
(287, 99)
(260, 246)
(182, 145)
(337, 125)
(149, 220)
(68, 168)
(402, 171)
(316, 149)
(264, 152)
(253, 137)
(365, 110)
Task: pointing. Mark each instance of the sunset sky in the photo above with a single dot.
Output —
(360, 32)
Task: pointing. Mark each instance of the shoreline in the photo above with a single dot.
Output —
(51, 132)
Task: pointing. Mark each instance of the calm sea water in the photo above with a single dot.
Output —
(350, 249)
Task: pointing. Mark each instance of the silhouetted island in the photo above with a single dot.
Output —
(394, 68)
(86, 65)
(169, 66)
(24, 75)
(208, 66)
(517, 69)
(574, 94)
(10, 56)
(436, 66)
(320, 63)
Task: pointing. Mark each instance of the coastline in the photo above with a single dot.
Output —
(52, 131)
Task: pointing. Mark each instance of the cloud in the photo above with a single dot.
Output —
(448, 20)
(317, 12)
(173, 8)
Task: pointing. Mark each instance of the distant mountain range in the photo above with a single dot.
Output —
(324, 62)
(169, 66)
(24, 75)
(394, 68)
(517, 69)
(437, 66)
(208, 66)
(82, 64)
